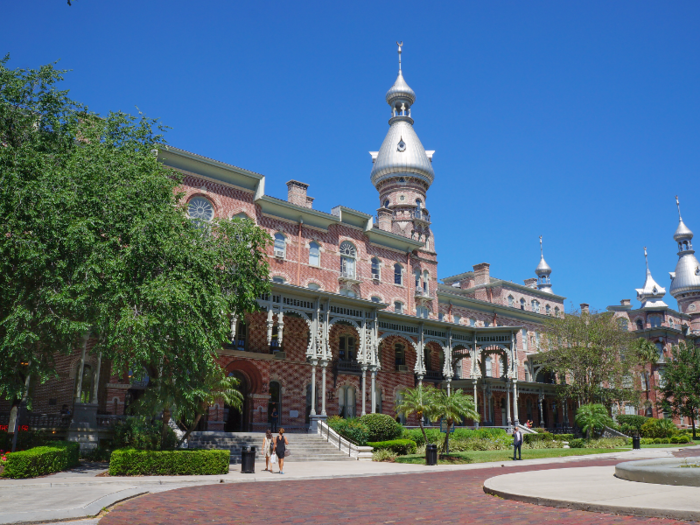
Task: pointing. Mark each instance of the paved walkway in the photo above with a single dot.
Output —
(79, 493)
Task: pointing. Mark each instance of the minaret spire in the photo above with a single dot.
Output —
(400, 44)
(678, 204)
(543, 271)
(646, 258)
(651, 295)
(541, 251)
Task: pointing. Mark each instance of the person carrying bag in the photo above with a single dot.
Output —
(281, 450)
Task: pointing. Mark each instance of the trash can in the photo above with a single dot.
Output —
(248, 460)
(431, 455)
(636, 443)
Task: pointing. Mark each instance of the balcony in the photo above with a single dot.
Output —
(351, 367)
(433, 375)
(420, 215)
(348, 275)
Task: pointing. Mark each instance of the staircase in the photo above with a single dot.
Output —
(304, 447)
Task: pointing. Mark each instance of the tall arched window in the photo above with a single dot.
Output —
(280, 245)
(398, 274)
(556, 311)
(488, 367)
(375, 268)
(522, 304)
(535, 306)
(314, 254)
(241, 335)
(417, 279)
(399, 356)
(524, 336)
(348, 254)
(511, 301)
(640, 324)
(426, 278)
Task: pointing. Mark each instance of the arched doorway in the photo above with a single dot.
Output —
(237, 420)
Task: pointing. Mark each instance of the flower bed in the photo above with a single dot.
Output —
(131, 462)
(40, 461)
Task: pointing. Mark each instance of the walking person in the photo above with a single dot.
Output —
(268, 446)
(281, 444)
(517, 444)
(274, 416)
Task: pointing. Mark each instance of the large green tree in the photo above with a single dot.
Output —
(95, 239)
(418, 401)
(680, 386)
(593, 357)
(453, 408)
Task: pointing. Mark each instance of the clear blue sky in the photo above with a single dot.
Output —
(578, 121)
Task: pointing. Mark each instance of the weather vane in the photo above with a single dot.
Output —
(400, 44)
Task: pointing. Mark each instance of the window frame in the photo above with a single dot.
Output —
(314, 246)
(398, 274)
(280, 252)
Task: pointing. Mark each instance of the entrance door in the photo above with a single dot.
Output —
(275, 402)
(236, 420)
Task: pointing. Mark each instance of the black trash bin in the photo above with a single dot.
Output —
(431, 455)
(248, 460)
(636, 443)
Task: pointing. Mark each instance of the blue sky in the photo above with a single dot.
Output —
(575, 120)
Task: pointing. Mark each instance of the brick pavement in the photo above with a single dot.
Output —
(446, 497)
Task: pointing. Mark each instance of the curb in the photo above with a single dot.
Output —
(643, 512)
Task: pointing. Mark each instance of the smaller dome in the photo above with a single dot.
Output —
(400, 90)
(682, 232)
(543, 268)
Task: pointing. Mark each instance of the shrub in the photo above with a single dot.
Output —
(607, 443)
(577, 443)
(681, 438)
(544, 436)
(382, 427)
(658, 428)
(40, 461)
(564, 437)
(132, 462)
(543, 444)
(27, 439)
(350, 429)
(143, 434)
(436, 437)
(383, 454)
(631, 424)
(400, 447)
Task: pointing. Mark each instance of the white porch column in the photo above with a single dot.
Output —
(508, 417)
(324, 364)
(448, 386)
(476, 402)
(364, 389)
(486, 403)
(313, 386)
(374, 390)
(516, 416)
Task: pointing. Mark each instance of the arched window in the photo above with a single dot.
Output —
(348, 254)
(375, 268)
(671, 323)
(314, 286)
(488, 367)
(556, 311)
(241, 216)
(548, 310)
(386, 203)
(417, 279)
(200, 209)
(398, 307)
(314, 254)
(280, 245)
(511, 301)
(457, 319)
(660, 350)
(398, 274)
(640, 324)
(419, 203)
(399, 357)
(346, 402)
(522, 304)
(422, 311)
(277, 279)
(523, 333)
(376, 299)
(241, 336)
(535, 306)
(426, 278)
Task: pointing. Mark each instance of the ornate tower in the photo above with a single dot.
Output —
(651, 295)
(543, 271)
(402, 169)
(685, 281)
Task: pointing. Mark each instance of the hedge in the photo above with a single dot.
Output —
(40, 461)
(351, 429)
(436, 437)
(400, 447)
(132, 462)
(544, 436)
(382, 427)
(564, 437)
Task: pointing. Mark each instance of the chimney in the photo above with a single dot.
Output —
(585, 308)
(384, 217)
(296, 194)
(531, 282)
(626, 302)
(481, 274)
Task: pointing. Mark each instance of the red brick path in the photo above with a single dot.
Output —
(444, 498)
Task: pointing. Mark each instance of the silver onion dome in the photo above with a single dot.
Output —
(543, 271)
(682, 232)
(400, 90)
(543, 268)
(686, 278)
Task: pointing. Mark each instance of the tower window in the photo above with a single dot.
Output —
(419, 203)
(280, 245)
(547, 310)
(386, 203)
(640, 324)
(511, 301)
(314, 254)
(398, 274)
(535, 306)
(426, 278)
(375, 268)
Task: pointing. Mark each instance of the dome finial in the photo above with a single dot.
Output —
(678, 204)
(646, 258)
(541, 251)
(400, 44)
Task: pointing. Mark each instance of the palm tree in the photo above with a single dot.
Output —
(453, 408)
(418, 401)
(593, 416)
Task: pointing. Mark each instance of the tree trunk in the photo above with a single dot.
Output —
(692, 420)
(425, 436)
(446, 450)
(166, 422)
(189, 430)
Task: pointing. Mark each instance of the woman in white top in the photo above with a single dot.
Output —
(267, 447)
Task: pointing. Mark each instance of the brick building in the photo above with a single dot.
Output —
(357, 313)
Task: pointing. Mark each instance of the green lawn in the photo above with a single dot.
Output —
(488, 456)
(666, 445)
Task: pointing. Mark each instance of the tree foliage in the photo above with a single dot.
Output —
(592, 418)
(418, 401)
(595, 356)
(95, 238)
(453, 408)
(680, 388)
